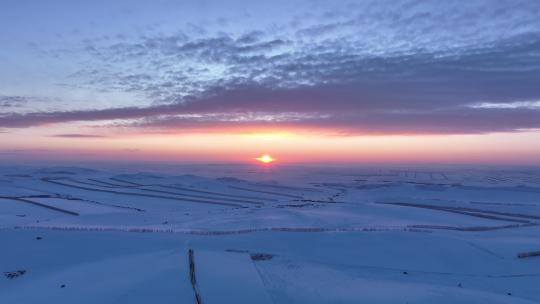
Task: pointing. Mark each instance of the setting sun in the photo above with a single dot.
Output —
(265, 158)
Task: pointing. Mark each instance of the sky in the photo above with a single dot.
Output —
(305, 81)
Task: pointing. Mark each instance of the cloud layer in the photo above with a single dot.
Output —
(367, 67)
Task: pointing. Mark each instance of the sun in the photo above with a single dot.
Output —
(265, 158)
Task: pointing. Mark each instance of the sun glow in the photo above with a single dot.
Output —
(265, 158)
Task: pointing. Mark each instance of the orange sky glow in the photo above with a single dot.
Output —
(288, 147)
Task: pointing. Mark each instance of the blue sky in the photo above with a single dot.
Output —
(292, 62)
(335, 67)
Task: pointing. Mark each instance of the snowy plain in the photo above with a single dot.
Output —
(276, 234)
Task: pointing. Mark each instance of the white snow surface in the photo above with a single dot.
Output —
(279, 234)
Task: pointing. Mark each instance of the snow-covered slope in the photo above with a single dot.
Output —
(269, 235)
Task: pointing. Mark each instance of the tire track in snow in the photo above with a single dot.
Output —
(266, 192)
(24, 200)
(192, 276)
(142, 194)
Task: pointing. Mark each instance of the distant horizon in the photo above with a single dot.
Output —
(135, 164)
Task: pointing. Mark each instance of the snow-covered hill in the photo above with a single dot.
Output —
(304, 234)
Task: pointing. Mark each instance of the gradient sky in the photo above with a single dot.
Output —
(306, 81)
